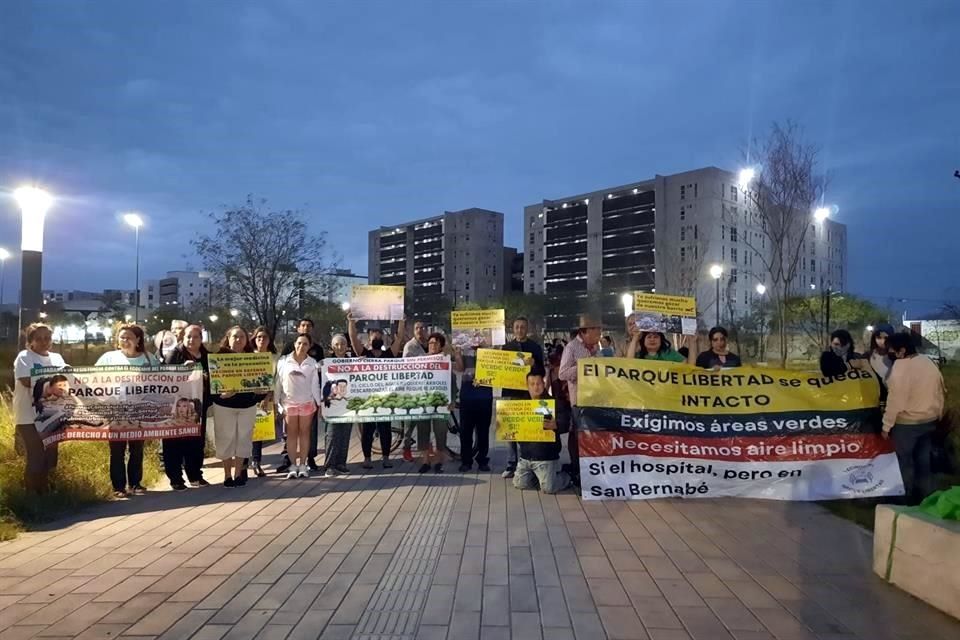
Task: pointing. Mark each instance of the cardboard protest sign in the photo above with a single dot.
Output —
(477, 328)
(666, 314)
(376, 302)
(651, 429)
(117, 402)
(241, 372)
(502, 369)
(522, 420)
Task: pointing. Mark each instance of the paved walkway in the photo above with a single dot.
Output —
(391, 556)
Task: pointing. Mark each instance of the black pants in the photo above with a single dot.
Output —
(183, 454)
(573, 444)
(475, 431)
(367, 429)
(914, 446)
(130, 474)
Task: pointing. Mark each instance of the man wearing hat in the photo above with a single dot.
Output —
(585, 345)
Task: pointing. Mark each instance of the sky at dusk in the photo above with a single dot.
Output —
(371, 113)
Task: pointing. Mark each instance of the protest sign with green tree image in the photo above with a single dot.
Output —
(400, 403)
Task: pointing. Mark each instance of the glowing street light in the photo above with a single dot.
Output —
(746, 175)
(128, 317)
(716, 272)
(234, 313)
(43, 315)
(135, 221)
(761, 288)
(345, 306)
(821, 213)
(34, 204)
(627, 301)
(870, 328)
(213, 318)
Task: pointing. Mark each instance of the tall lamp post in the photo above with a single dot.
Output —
(34, 204)
(4, 254)
(135, 221)
(627, 301)
(761, 290)
(716, 272)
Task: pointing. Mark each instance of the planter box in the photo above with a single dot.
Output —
(920, 554)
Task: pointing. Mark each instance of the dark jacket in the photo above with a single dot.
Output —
(544, 451)
(708, 360)
(527, 346)
(238, 400)
(180, 355)
(832, 365)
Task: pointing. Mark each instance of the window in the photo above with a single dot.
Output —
(723, 232)
(531, 287)
(733, 234)
(694, 232)
(683, 213)
(733, 255)
(468, 286)
(695, 185)
(733, 193)
(813, 264)
(683, 234)
(531, 273)
(733, 272)
(745, 300)
(531, 256)
(723, 253)
(531, 237)
(468, 224)
(683, 254)
(683, 192)
(467, 269)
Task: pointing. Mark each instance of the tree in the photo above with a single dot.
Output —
(265, 259)
(782, 195)
(112, 307)
(807, 317)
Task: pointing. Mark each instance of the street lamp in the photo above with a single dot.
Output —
(128, 317)
(821, 213)
(746, 175)
(34, 204)
(761, 290)
(234, 313)
(213, 318)
(345, 306)
(135, 221)
(870, 328)
(716, 272)
(627, 301)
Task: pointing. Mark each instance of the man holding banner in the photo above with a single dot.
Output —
(521, 343)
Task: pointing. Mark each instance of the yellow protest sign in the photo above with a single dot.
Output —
(241, 372)
(376, 302)
(522, 420)
(647, 385)
(477, 328)
(263, 427)
(503, 369)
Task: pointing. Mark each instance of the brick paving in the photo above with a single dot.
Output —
(393, 555)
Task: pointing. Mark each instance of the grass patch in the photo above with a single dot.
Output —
(82, 478)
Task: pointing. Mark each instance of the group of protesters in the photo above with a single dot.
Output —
(912, 393)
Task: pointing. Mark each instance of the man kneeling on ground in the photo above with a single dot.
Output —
(539, 462)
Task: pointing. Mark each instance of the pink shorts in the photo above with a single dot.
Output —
(304, 409)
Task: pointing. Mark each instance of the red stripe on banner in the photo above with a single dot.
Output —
(743, 449)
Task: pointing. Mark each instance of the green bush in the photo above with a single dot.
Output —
(82, 477)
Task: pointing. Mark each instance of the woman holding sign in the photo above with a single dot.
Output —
(337, 441)
(436, 345)
(132, 352)
(653, 345)
(40, 460)
(186, 454)
(262, 343)
(234, 415)
(298, 396)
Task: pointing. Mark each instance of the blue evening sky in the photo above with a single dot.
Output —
(370, 113)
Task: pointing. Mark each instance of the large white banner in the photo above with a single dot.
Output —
(385, 389)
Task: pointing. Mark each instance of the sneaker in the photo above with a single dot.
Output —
(507, 473)
(407, 454)
(119, 495)
(283, 468)
(330, 473)
(438, 468)
(367, 463)
(138, 490)
(464, 468)
(312, 465)
(424, 468)
(484, 467)
(202, 483)
(229, 483)
(292, 473)
(303, 473)
(179, 487)
(387, 464)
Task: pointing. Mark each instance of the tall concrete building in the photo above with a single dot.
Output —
(663, 235)
(187, 289)
(457, 256)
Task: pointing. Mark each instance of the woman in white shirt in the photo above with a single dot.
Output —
(40, 460)
(131, 352)
(298, 396)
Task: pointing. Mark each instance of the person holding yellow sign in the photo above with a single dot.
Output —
(538, 465)
(521, 343)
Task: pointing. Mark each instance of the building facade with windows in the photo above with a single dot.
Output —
(457, 256)
(187, 289)
(663, 235)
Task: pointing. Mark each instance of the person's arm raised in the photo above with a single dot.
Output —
(355, 343)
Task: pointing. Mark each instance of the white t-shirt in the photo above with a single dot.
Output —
(117, 358)
(23, 410)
